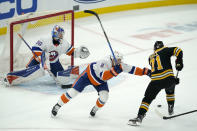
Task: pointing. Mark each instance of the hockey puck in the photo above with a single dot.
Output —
(158, 105)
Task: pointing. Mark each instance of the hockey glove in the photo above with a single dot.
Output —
(179, 64)
(84, 52)
(147, 72)
(116, 70)
(176, 81)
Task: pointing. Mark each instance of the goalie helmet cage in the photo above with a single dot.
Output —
(37, 20)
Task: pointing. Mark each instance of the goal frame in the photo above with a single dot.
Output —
(38, 18)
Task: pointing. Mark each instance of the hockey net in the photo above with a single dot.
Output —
(32, 27)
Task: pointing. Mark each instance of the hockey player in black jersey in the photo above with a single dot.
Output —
(162, 77)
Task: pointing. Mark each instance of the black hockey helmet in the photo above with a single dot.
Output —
(158, 44)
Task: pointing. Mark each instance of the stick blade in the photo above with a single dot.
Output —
(165, 117)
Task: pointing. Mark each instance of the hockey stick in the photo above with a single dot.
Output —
(173, 116)
(177, 74)
(95, 14)
(169, 117)
(28, 46)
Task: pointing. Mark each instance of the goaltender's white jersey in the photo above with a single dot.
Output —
(55, 51)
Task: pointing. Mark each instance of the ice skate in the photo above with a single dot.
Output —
(93, 111)
(6, 82)
(136, 121)
(170, 109)
(55, 109)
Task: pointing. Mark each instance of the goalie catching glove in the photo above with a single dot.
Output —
(82, 52)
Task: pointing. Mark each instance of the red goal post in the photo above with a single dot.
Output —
(36, 21)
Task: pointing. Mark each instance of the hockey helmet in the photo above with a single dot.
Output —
(158, 44)
(57, 33)
(118, 56)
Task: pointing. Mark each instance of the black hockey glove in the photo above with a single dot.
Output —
(147, 72)
(176, 81)
(179, 64)
(116, 70)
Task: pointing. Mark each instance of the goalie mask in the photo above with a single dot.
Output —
(158, 45)
(118, 56)
(57, 34)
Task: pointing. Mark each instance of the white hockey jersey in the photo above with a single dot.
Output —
(100, 71)
(55, 51)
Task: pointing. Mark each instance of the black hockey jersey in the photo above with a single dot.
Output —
(160, 62)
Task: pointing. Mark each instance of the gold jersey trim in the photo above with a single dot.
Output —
(162, 75)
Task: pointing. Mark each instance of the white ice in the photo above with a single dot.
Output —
(28, 107)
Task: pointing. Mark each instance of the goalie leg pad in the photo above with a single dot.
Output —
(32, 62)
(25, 75)
(68, 76)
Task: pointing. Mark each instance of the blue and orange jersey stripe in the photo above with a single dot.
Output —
(37, 51)
(70, 50)
(106, 75)
(137, 71)
(92, 76)
(79, 77)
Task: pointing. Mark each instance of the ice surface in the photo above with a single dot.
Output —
(28, 106)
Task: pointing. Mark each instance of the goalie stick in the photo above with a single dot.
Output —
(95, 14)
(28, 46)
(173, 116)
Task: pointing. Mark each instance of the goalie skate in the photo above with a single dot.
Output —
(5, 82)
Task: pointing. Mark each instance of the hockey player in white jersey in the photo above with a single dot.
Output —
(97, 74)
(55, 46)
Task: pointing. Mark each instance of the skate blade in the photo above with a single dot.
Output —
(53, 116)
(132, 123)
